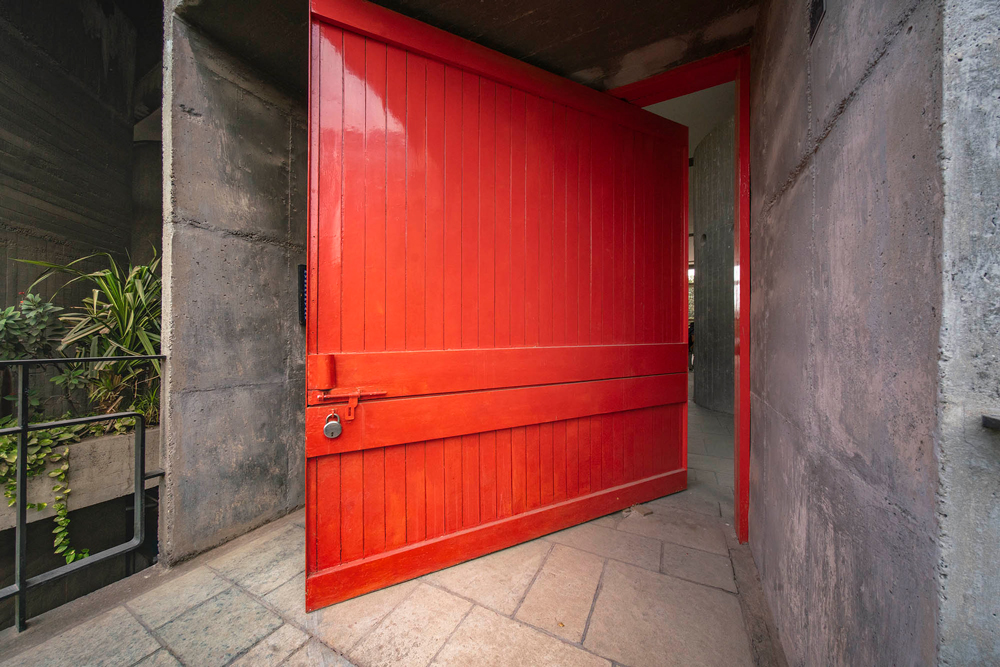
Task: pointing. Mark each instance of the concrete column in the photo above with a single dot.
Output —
(711, 179)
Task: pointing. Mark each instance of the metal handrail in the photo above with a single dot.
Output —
(22, 583)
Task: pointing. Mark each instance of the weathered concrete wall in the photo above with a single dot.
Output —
(711, 180)
(970, 336)
(146, 235)
(234, 197)
(845, 312)
(65, 133)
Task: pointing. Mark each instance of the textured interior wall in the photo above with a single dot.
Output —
(65, 133)
(845, 313)
(234, 200)
(970, 336)
(711, 185)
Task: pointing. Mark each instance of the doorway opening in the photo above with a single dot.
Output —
(711, 97)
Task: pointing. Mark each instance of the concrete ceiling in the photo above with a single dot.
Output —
(700, 111)
(602, 44)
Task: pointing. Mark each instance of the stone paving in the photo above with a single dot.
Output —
(653, 585)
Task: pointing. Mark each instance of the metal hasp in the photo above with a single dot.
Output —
(991, 422)
(22, 583)
(352, 398)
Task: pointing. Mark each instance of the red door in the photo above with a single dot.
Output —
(497, 302)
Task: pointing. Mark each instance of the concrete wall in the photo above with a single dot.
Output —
(65, 133)
(711, 186)
(970, 336)
(845, 314)
(234, 197)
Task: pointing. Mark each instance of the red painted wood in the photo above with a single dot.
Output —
(729, 66)
(365, 575)
(479, 243)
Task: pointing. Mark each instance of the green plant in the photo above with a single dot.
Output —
(29, 329)
(120, 318)
(42, 456)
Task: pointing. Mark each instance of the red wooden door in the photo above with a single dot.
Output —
(497, 302)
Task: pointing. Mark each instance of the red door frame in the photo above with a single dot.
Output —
(722, 68)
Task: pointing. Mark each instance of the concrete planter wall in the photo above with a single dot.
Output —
(100, 469)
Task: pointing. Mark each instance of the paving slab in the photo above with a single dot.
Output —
(414, 631)
(274, 648)
(689, 529)
(692, 499)
(609, 521)
(264, 564)
(563, 593)
(113, 638)
(645, 618)
(315, 654)
(601, 541)
(219, 629)
(487, 638)
(341, 625)
(698, 566)
(161, 658)
(499, 580)
(170, 600)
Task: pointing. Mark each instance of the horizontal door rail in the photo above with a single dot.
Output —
(22, 583)
(385, 423)
(416, 373)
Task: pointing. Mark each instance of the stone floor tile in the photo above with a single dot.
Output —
(415, 630)
(609, 543)
(719, 445)
(171, 599)
(697, 566)
(114, 638)
(274, 648)
(264, 564)
(713, 463)
(644, 618)
(688, 529)
(689, 499)
(497, 581)
(563, 593)
(705, 476)
(341, 625)
(486, 638)
(696, 443)
(315, 654)
(161, 658)
(218, 630)
(608, 521)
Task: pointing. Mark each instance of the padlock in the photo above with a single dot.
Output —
(333, 428)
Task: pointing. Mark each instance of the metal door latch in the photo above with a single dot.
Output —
(351, 397)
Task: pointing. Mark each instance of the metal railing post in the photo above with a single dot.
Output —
(21, 539)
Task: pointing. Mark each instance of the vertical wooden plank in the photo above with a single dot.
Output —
(470, 210)
(487, 222)
(586, 251)
(416, 200)
(434, 487)
(618, 456)
(518, 212)
(586, 465)
(375, 197)
(646, 442)
(573, 458)
(545, 465)
(352, 534)
(519, 469)
(374, 500)
(353, 300)
(505, 488)
(434, 202)
(470, 480)
(312, 223)
(395, 200)
(533, 466)
(596, 454)
(607, 451)
(452, 484)
(628, 195)
(572, 172)
(452, 209)
(533, 218)
(314, 532)
(559, 288)
(629, 456)
(545, 230)
(487, 476)
(327, 124)
(503, 219)
(598, 166)
(610, 225)
(395, 496)
(618, 240)
(326, 506)
(559, 461)
(416, 492)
